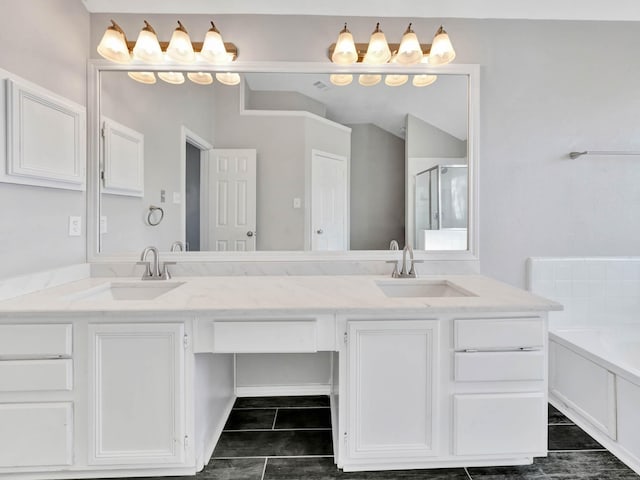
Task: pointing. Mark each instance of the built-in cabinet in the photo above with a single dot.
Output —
(137, 389)
(123, 392)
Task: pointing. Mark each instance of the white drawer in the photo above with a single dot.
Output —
(36, 375)
(50, 340)
(500, 423)
(498, 333)
(36, 434)
(267, 336)
(498, 366)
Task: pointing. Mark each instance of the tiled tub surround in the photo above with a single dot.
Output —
(145, 387)
(595, 346)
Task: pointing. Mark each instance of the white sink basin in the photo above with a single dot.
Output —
(147, 290)
(422, 288)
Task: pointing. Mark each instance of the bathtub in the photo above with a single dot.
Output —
(594, 379)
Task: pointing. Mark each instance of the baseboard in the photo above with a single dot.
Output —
(215, 436)
(282, 390)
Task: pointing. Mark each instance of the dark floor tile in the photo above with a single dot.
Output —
(584, 465)
(325, 469)
(251, 419)
(303, 418)
(516, 472)
(233, 469)
(557, 417)
(274, 443)
(275, 402)
(570, 437)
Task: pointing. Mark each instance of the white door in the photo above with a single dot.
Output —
(329, 208)
(232, 200)
(137, 389)
(391, 390)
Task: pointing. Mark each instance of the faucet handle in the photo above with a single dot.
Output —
(412, 270)
(166, 274)
(395, 273)
(147, 269)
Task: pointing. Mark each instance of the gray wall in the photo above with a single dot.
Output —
(34, 220)
(158, 112)
(424, 140)
(377, 188)
(263, 100)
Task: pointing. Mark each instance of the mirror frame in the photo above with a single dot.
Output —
(95, 67)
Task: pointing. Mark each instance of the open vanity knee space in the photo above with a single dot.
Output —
(111, 388)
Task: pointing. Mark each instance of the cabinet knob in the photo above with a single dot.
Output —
(319, 231)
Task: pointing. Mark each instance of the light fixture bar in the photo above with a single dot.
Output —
(361, 48)
(197, 46)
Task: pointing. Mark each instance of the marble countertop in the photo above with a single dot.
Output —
(280, 294)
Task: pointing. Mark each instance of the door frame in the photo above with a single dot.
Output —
(189, 136)
(308, 195)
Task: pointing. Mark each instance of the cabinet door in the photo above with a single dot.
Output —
(391, 395)
(137, 394)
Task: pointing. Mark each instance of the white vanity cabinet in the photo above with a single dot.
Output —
(391, 371)
(441, 392)
(137, 394)
(36, 396)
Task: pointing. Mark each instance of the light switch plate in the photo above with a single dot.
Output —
(177, 198)
(103, 224)
(297, 202)
(75, 226)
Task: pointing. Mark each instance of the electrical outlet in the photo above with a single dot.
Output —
(297, 203)
(103, 224)
(75, 226)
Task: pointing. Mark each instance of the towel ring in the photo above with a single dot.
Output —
(152, 209)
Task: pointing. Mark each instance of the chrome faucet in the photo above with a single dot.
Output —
(177, 246)
(407, 271)
(153, 271)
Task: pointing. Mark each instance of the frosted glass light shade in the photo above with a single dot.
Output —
(423, 80)
(147, 48)
(113, 45)
(213, 49)
(341, 80)
(409, 51)
(345, 52)
(180, 48)
(395, 80)
(369, 80)
(147, 78)
(378, 51)
(442, 51)
(175, 78)
(228, 78)
(201, 78)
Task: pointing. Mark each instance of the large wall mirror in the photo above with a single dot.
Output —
(284, 161)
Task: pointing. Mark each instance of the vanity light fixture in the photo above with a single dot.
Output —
(113, 45)
(369, 80)
(345, 52)
(201, 78)
(147, 78)
(341, 79)
(174, 78)
(213, 48)
(378, 51)
(180, 48)
(442, 51)
(228, 78)
(147, 48)
(409, 51)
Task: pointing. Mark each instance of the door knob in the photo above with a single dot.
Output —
(319, 231)
(250, 233)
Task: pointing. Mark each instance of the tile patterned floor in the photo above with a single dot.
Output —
(289, 438)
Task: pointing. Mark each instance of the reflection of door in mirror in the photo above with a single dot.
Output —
(329, 194)
(231, 209)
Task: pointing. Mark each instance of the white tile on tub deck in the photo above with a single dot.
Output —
(580, 289)
(543, 271)
(579, 310)
(544, 289)
(630, 289)
(580, 271)
(563, 288)
(597, 289)
(563, 270)
(597, 270)
(614, 289)
(616, 269)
